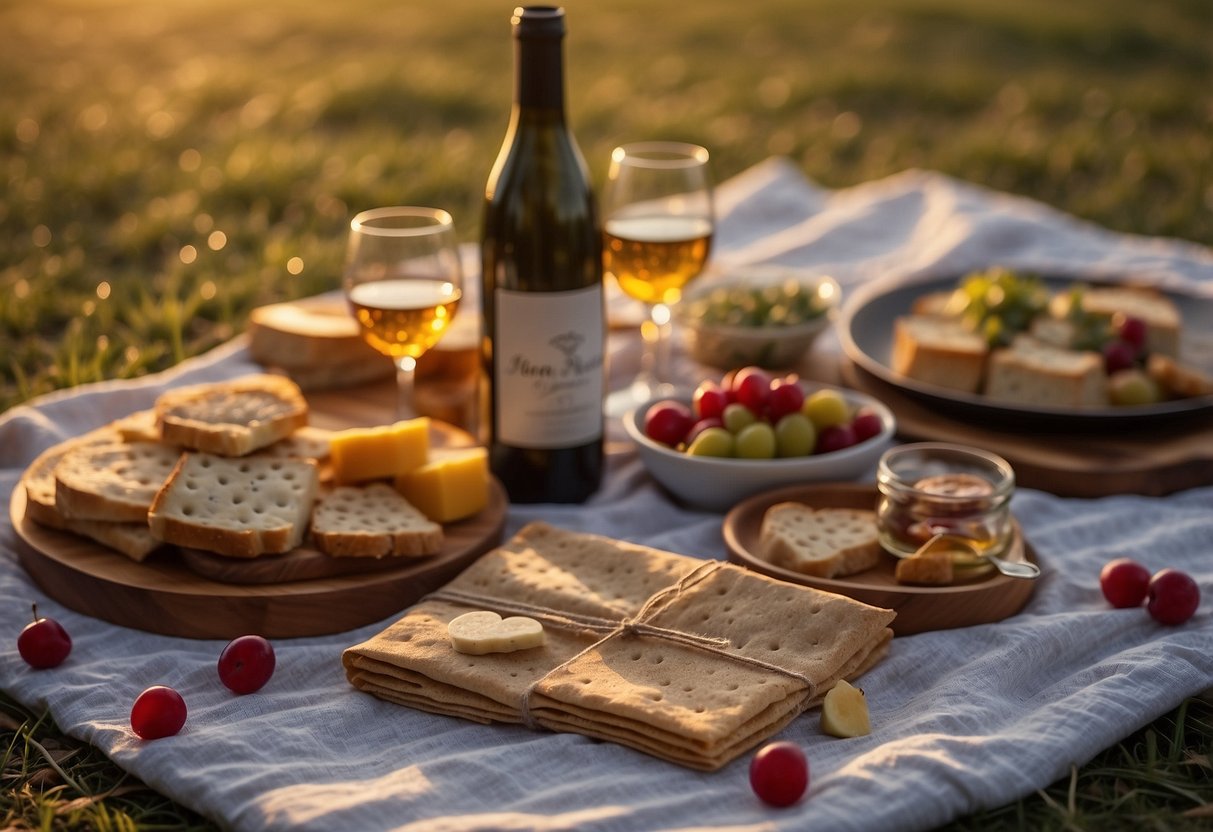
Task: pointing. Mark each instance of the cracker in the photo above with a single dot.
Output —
(372, 521)
(114, 481)
(232, 418)
(235, 507)
(778, 648)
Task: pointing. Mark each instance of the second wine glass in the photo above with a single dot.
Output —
(657, 235)
(403, 280)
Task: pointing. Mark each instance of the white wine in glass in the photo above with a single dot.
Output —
(657, 236)
(403, 281)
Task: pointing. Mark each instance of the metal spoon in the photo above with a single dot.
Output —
(1012, 568)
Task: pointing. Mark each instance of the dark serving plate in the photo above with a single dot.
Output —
(866, 330)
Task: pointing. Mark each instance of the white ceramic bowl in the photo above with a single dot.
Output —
(772, 345)
(717, 483)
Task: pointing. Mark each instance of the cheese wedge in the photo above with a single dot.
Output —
(453, 485)
(363, 454)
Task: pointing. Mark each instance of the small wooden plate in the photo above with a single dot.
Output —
(919, 608)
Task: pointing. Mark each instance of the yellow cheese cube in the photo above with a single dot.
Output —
(360, 454)
(454, 484)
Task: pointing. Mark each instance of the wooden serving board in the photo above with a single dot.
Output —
(919, 608)
(1154, 460)
(291, 596)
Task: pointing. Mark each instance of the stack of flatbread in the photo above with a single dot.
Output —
(688, 660)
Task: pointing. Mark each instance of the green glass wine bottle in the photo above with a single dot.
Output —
(541, 256)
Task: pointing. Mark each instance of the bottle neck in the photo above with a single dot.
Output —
(539, 75)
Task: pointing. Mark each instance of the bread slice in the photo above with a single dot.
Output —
(132, 539)
(139, 426)
(305, 443)
(313, 332)
(1031, 372)
(1159, 313)
(939, 351)
(372, 521)
(823, 542)
(236, 507)
(232, 418)
(115, 481)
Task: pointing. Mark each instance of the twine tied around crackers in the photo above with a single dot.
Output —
(636, 624)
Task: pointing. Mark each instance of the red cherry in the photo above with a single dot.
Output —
(709, 400)
(246, 664)
(779, 773)
(668, 422)
(158, 712)
(786, 397)
(44, 643)
(1172, 597)
(1124, 582)
(866, 424)
(834, 438)
(753, 386)
(1118, 355)
(1133, 332)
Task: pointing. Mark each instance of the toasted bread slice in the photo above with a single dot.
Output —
(236, 507)
(232, 418)
(939, 351)
(132, 539)
(823, 542)
(372, 521)
(114, 481)
(1031, 372)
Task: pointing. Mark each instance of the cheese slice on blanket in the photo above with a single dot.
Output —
(688, 660)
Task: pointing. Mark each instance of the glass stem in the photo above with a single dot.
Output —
(655, 366)
(406, 367)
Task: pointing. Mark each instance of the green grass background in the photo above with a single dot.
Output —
(167, 166)
(132, 131)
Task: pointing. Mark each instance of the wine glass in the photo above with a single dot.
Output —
(403, 280)
(657, 234)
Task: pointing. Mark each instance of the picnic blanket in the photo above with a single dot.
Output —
(962, 719)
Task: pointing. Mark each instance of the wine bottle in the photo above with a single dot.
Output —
(541, 256)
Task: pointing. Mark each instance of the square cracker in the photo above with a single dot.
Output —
(235, 507)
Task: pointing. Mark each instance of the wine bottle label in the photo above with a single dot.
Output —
(548, 350)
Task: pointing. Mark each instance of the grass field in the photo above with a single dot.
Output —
(165, 167)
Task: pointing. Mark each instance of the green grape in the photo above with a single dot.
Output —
(737, 416)
(795, 435)
(826, 408)
(712, 442)
(756, 441)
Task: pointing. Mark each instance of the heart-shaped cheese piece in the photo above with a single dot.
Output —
(483, 632)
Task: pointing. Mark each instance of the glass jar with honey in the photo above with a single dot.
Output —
(929, 489)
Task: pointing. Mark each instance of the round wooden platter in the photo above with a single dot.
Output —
(201, 596)
(919, 608)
